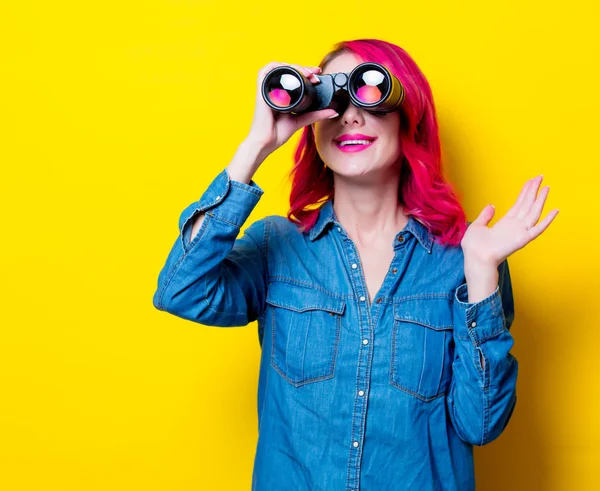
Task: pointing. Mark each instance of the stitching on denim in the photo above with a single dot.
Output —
(200, 233)
(415, 394)
(207, 303)
(477, 363)
(361, 402)
(304, 381)
(477, 340)
(248, 189)
(497, 309)
(353, 433)
(395, 383)
(308, 307)
(312, 286)
(265, 252)
(266, 391)
(184, 246)
(407, 318)
(442, 364)
(177, 265)
(220, 219)
(420, 322)
(486, 409)
(423, 362)
(422, 296)
(481, 303)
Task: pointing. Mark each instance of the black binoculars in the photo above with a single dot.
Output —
(370, 86)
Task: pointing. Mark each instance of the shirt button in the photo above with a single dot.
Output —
(400, 239)
(473, 324)
(361, 392)
(395, 270)
(355, 444)
(379, 300)
(339, 229)
(362, 299)
(354, 266)
(365, 341)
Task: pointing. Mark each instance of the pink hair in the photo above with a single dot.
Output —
(423, 191)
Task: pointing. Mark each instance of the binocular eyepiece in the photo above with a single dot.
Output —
(370, 86)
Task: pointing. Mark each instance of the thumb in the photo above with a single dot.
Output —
(314, 116)
(486, 215)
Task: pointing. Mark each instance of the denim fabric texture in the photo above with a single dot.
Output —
(352, 395)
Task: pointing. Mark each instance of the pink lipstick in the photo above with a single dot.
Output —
(356, 142)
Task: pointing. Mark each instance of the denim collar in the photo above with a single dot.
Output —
(414, 226)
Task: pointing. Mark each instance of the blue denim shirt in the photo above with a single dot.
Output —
(352, 395)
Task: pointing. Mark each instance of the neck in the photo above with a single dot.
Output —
(370, 214)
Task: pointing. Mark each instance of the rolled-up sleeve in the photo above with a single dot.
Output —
(482, 393)
(215, 278)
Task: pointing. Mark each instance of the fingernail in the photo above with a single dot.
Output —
(334, 116)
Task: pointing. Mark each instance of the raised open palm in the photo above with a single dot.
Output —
(491, 245)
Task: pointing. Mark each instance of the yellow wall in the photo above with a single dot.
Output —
(117, 115)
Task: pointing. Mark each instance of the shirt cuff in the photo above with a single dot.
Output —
(229, 201)
(478, 321)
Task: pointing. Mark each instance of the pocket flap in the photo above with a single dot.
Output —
(432, 312)
(300, 298)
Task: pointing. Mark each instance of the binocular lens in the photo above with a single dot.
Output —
(283, 89)
(370, 86)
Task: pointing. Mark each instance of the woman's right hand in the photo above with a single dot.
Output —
(271, 129)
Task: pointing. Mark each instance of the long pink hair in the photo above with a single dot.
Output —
(423, 191)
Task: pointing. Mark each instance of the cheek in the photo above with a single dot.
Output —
(393, 137)
(394, 149)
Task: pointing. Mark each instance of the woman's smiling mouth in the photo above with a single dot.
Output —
(354, 144)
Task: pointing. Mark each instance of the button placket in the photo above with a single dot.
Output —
(364, 362)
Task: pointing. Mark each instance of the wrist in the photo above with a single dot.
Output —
(245, 162)
(481, 277)
(475, 268)
(254, 143)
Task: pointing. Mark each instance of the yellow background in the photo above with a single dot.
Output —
(117, 115)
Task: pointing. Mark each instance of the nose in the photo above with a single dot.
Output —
(352, 115)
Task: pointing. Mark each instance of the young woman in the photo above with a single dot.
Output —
(383, 315)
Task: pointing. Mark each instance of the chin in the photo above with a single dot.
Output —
(351, 169)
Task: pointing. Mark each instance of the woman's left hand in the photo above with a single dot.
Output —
(489, 246)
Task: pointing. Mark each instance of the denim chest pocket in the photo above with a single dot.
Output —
(305, 329)
(422, 346)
